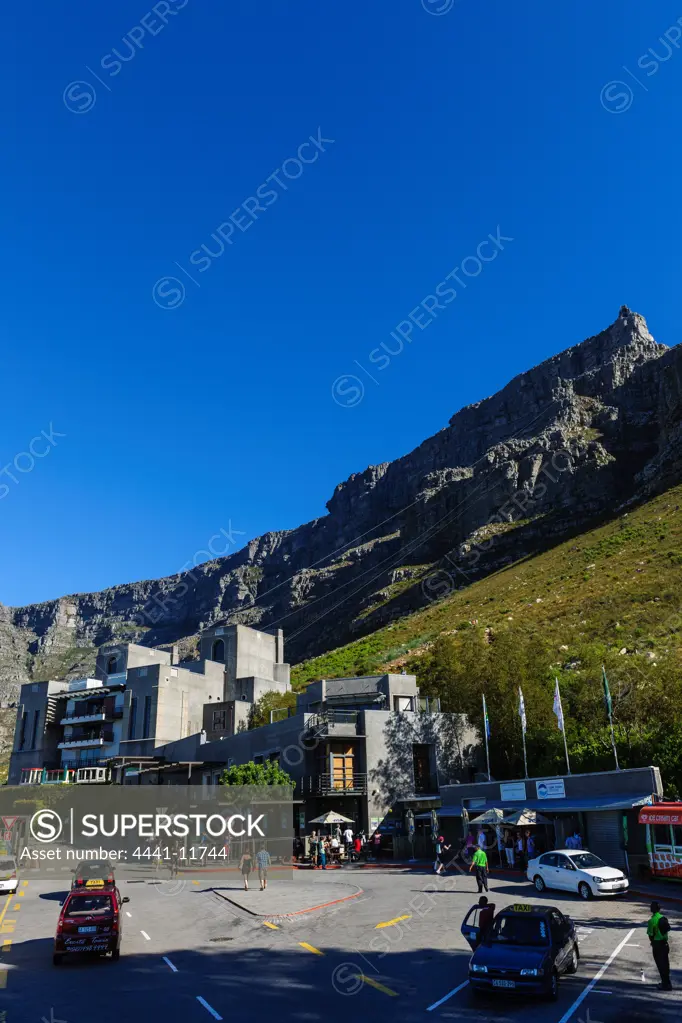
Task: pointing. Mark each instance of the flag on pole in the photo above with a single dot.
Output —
(607, 693)
(522, 710)
(557, 708)
(485, 718)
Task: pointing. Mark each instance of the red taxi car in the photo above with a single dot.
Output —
(90, 923)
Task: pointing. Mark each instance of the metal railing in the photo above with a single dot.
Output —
(328, 784)
(321, 723)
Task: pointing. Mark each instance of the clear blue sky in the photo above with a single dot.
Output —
(180, 420)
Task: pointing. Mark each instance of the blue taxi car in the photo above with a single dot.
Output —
(523, 949)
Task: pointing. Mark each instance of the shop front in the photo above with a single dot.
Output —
(663, 823)
(601, 808)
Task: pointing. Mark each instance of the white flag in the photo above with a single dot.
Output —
(522, 711)
(557, 708)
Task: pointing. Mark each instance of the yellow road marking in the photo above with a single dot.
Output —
(3, 978)
(2, 915)
(6, 945)
(377, 985)
(24, 883)
(273, 927)
(17, 905)
(195, 882)
(311, 948)
(20, 894)
(395, 920)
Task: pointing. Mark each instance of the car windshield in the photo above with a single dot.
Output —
(90, 905)
(94, 869)
(520, 930)
(6, 866)
(586, 860)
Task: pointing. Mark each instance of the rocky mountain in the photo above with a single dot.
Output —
(559, 448)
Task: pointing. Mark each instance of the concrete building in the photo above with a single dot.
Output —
(141, 698)
(368, 748)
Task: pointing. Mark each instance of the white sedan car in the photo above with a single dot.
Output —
(575, 870)
(8, 874)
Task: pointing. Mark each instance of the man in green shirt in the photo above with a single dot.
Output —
(657, 931)
(480, 864)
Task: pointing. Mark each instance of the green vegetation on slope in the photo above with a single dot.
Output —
(611, 596)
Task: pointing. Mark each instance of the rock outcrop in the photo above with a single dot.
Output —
(559, 447)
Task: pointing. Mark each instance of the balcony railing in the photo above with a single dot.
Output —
(342, 722)
(93, 738)
(90, 760)
(330, 785)
(89, 717)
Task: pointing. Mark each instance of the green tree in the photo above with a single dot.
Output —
(255, 774)
(272, 700)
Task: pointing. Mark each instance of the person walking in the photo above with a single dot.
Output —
(263, 862)
(480, 865)
(246, 866)
(530, 846)
(357, 848)
(657, 931)
(436, 862)
(509, 848)
(377, 845)
(322, 855)
(348, 837)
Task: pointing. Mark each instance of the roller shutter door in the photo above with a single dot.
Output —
(604, 837)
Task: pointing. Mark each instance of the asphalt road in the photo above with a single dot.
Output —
(189, 955)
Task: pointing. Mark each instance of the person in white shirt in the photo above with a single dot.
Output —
(348, 836)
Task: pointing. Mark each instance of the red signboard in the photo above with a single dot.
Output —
(661, 813)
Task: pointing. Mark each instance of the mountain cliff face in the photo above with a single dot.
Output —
(559, 447)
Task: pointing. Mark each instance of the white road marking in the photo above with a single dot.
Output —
(598, 976)
(630, 945)
(449, 995)
(145, 935)
(602, 991)
(167, 960)
(128, 914)
(208, 1007)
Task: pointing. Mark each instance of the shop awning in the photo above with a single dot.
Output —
(566, 805)
(661, 813)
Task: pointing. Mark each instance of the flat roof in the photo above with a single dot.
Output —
(567, 805)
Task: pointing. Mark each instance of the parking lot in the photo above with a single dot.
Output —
(391, 948)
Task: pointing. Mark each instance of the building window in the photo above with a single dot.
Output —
(132, 718)
(258, 759)
(142, 672)
(402, 703)
(218, 650)
(421, 761)
(146, 723)
(274, 757)
(22, 733)
(112, 665)
(34, 736)
(218, 720)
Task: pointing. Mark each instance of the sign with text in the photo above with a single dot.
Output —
(552, 788)
(513, 790)
(145, 830)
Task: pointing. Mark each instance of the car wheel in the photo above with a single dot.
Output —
(573, 961)
(115, 955)
(584, 890)
(539, 883)
(553, 990)
(57, 959)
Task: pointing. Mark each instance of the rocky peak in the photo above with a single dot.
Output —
(612, 402)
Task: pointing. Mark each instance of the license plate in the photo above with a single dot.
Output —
(95, 882)
(87, 930)
(504, 983)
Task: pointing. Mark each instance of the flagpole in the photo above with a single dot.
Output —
(485, 732)
(568, 763)
(609, 709)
